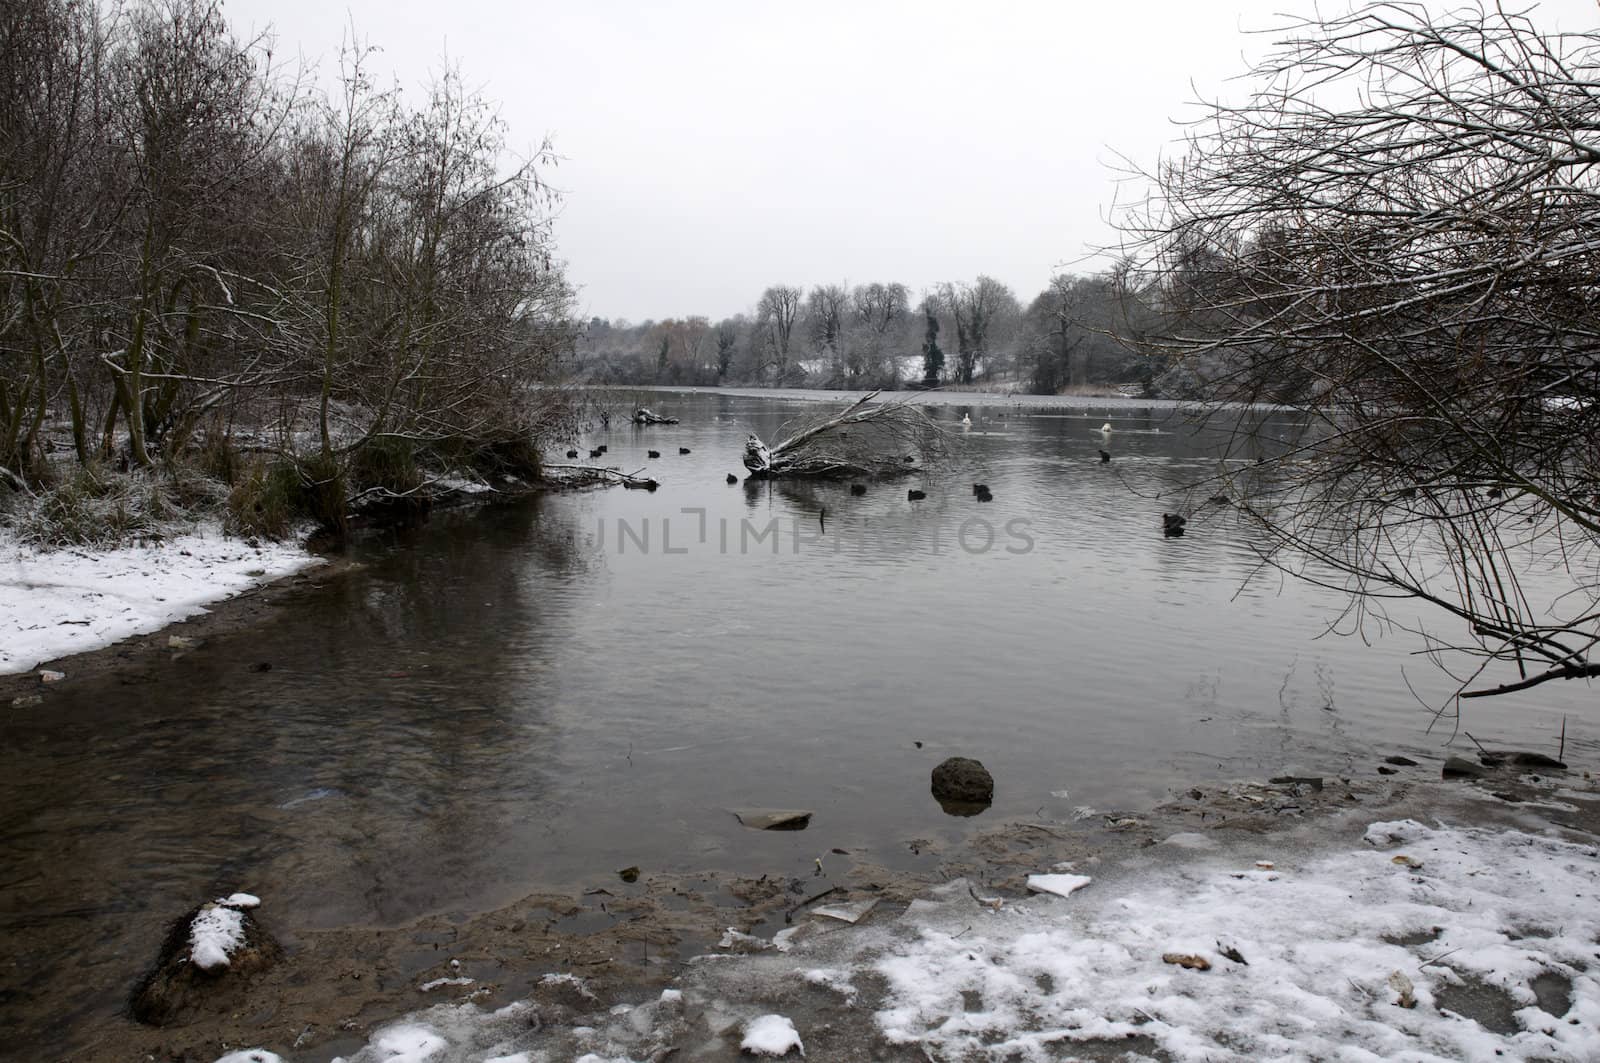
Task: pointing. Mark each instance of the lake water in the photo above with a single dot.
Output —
(536, 694)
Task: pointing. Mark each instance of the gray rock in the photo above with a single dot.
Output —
(774, 818)
(964, 780)
(176, 989)
(1461, 768)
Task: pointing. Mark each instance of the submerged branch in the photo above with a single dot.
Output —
(594, 476)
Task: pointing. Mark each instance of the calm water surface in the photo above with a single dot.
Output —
(537, 694)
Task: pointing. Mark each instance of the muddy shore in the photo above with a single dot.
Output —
(627, 937)
(628, 940)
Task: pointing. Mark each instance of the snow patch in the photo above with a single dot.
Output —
(214, 935)
(771, 1035)
(251, 1055)
(428, 987)
(1317, 952)
(466, 487)
(69, 601)
(1394, 832)
(240, 900)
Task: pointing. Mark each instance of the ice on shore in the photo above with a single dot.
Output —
(72, 600)
(1060, 885)
(1492, 932)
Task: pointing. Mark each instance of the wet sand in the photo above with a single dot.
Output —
(629, 940)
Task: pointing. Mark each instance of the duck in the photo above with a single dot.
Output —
(966, 420)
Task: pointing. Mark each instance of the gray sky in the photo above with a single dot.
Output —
(714, 147)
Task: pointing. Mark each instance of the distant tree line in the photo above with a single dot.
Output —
(199, 253)
(1081, 332)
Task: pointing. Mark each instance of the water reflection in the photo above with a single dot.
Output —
(524, 695)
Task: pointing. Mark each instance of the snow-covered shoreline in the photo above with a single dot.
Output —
(1377, 939)
(74, 600)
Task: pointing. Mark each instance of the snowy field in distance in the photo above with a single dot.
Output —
(72, 600)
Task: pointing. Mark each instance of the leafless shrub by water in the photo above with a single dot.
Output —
(1395, 233)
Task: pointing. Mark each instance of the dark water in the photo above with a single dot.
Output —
(523, 696)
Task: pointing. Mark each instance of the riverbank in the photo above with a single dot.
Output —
(73, 601)
(1395, 915)
(77, 611)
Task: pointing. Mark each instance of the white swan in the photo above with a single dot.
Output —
(1105, 435)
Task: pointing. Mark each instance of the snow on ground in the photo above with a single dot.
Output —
(771, 1035)
(1490, 935)
(67, 601)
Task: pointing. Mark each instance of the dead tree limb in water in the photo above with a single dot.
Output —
(594, 476)
(864, 439)
(645, 415)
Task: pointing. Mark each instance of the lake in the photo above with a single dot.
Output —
(532, 695)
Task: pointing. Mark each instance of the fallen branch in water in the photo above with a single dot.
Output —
(863, 439)
(595, 475)
(645, 415)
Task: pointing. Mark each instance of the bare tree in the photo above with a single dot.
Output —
(881, 311)
(826, 309)
(975, 309)
(56, 209)
(1396, 233)
(776, 314)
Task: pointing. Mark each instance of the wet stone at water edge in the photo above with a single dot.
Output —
(962, 786)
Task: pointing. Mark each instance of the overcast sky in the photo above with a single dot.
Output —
(713, 147)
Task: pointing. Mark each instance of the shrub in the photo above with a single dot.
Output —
(94, 508)
(266, 501)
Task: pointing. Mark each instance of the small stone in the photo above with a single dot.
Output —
(1461, 768)
(774, 818)
(1187, 961)
(1535, 760)
(1400, 762)
(1403, 989)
